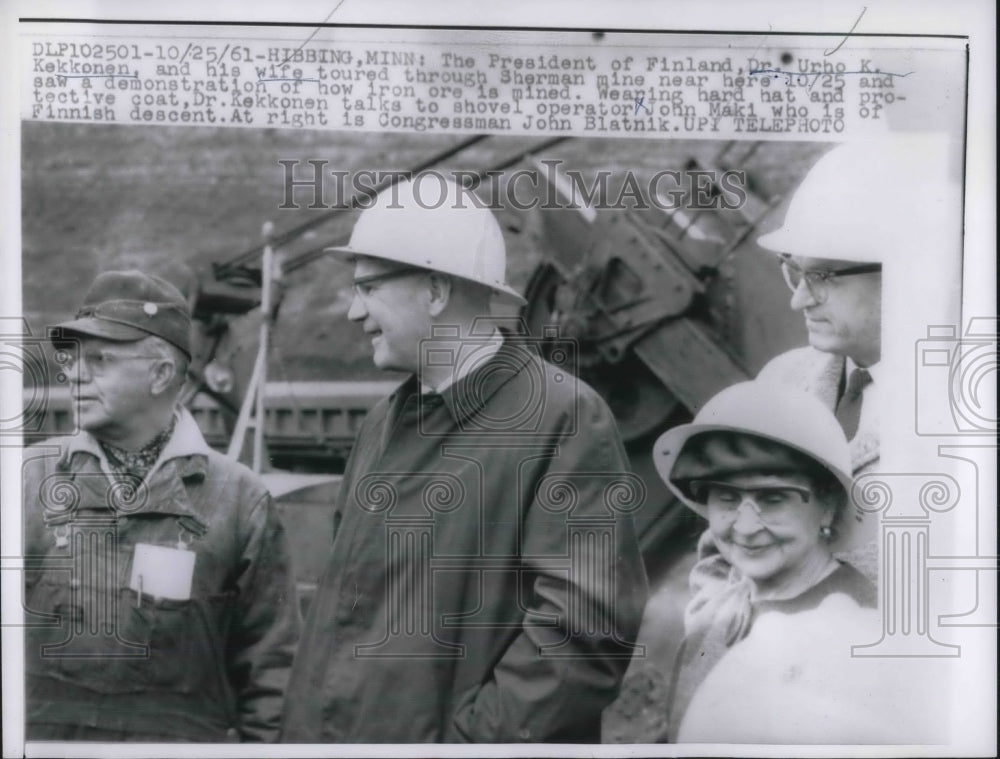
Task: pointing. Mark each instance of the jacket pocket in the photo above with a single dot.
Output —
(118, 642)
(85, 639)
(186, 642)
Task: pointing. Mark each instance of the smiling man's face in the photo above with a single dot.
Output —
(392, 311)
(849, 321)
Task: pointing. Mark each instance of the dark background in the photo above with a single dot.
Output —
(170, 200)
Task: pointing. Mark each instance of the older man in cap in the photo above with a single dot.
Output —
(485, 582)
(161, 602)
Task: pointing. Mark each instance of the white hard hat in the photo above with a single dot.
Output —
(784, 415)
(874, 201)
(432, 224)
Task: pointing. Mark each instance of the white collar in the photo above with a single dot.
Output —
(485, 349)
(186, 440)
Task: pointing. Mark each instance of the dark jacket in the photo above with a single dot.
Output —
(100, 654)
(485, 582)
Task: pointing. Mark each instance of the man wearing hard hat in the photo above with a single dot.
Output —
(862, 204)
(485, 582)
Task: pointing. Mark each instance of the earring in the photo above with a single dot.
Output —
(826, 532)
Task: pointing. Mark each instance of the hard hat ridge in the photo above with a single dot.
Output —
(442, 229)
(873, 201)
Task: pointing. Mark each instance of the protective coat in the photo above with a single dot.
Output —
(796, 680)
(485, 582)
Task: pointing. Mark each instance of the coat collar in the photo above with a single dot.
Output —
(187, 441)
(183, 459)
(468, 395)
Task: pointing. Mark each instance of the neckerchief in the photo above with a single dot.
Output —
(128, 464)
(729, 606)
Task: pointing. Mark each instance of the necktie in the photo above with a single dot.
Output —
(849, 407)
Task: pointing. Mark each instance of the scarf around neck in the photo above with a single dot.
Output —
(137, 464)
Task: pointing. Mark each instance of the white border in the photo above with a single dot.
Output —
(954, 17)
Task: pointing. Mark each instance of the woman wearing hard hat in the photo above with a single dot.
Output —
(768, 646)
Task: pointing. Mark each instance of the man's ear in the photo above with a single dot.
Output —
(440, 291)
(163, 372)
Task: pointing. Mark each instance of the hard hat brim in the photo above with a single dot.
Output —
(777, 242)
(346, 253)
(782, 242)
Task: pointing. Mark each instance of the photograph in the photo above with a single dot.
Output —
(399, 386)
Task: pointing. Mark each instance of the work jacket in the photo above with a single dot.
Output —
(208, 660)
(485, 582)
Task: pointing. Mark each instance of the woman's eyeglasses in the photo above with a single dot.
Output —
(770, 502)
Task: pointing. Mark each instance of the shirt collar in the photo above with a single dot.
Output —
(186, 441)
(467, 395)
(485, 349)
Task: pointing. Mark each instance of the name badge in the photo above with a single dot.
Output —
(162, 572)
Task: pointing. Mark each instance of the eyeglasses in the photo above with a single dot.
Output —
(818, 280)
(771, 503)
(364, 287)
(100, 362)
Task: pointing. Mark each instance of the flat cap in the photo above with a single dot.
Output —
(126, 306)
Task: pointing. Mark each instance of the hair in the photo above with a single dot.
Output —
(473, 296)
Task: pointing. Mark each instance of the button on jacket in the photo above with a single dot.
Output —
(106, 658)
(485, 582)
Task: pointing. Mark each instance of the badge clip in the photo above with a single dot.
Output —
(184, 539)
(61, 533)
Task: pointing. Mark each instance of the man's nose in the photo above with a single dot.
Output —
(802, 297)
(357, 312)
